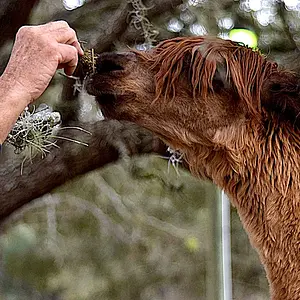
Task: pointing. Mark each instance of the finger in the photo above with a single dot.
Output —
(77, 45)
(68, 58)
(65, 34)
(55, 25)
(68, 36)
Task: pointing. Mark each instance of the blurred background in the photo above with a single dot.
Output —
(130, 226)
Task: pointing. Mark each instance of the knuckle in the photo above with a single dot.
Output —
(70, 32)
(74, 50)
(73, 56)
(53, 51)
(62, 23)
(73, 31)
(25, 31)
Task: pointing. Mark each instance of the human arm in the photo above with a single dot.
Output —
(37, 53)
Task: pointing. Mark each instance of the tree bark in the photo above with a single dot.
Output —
(13, 15)
(110, 140)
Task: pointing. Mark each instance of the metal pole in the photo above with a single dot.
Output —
(226, 248)
(219, 280)
(214, 279)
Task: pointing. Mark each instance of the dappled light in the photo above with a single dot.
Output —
(116, 214)
(72, 4)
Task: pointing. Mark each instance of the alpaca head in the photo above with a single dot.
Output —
(187, 90)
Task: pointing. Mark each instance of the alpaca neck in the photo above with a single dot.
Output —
(276, 238)
(262, 181)
(265, 190)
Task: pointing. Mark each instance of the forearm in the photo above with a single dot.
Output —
(12, 102)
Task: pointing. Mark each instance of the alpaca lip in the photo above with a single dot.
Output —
(103, 98)
(89, 86)
(99, 90)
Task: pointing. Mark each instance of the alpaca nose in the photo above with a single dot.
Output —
(114, 62)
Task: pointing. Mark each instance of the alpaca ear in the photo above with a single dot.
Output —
(281, 97)
(221, 77)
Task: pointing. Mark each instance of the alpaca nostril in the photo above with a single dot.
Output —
(108, 65)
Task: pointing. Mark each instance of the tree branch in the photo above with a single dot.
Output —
(13, 15)
(109, 141)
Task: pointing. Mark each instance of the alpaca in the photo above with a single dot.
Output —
(234, 116)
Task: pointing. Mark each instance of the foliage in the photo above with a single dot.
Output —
(137, 239)
(132, 230)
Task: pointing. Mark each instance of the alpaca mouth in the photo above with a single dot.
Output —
(92, 89)
(106, 99)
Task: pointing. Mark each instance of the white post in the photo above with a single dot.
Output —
(226, 249)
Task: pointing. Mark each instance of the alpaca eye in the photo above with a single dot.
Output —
(275, 87)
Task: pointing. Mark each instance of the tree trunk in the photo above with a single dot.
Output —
(109, 141)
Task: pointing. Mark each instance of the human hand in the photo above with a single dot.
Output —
(37, 53)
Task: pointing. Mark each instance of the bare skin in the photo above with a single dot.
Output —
(37, 53)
